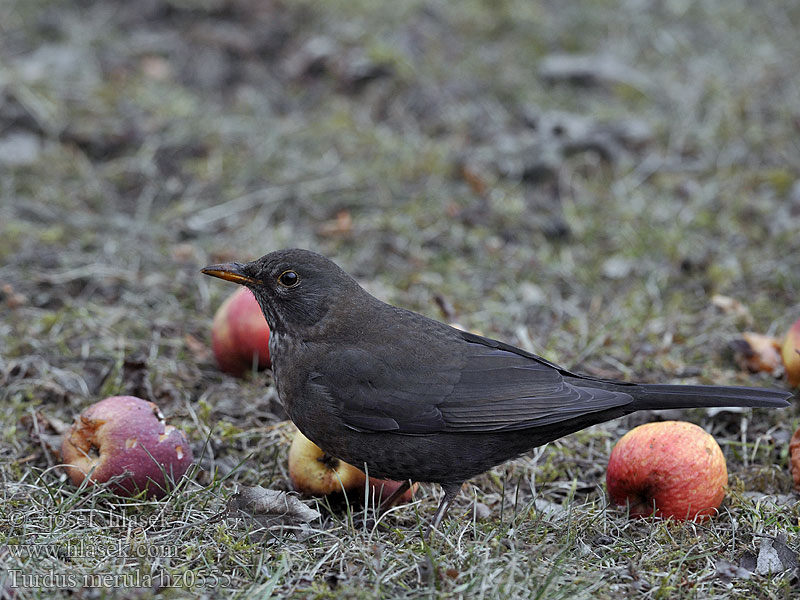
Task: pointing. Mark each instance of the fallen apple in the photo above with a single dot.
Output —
(125, 438)
(381, 489)
(791, 354)
(316, 473)
(240, 334)
(670, 469)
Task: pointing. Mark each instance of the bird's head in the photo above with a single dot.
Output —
(295, 288)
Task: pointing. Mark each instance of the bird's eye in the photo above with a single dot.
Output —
(288, 279)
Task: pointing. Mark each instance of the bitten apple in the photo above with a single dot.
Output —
(126, 438)
(670, 469)
(791, 354)
(316, 473)
(240, 334)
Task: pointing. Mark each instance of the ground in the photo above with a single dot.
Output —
(580, 179)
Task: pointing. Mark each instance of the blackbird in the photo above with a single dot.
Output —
(411, 398)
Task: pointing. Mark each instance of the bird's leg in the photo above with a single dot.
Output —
(392, 499)
(450, 492)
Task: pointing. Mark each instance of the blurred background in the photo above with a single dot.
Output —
(614, 185)
(579, 179)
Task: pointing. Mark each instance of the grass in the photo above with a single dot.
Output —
(184, 133)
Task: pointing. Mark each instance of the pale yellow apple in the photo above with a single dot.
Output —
(316, 473)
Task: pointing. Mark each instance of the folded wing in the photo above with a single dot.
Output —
(476, 388)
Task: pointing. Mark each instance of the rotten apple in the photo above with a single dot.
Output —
(127, 439)
(670, 469)
(240, 334)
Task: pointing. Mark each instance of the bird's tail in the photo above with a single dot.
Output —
(660, 397)
(649, 396)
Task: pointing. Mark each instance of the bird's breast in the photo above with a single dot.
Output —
(283, 351)
(292, 362)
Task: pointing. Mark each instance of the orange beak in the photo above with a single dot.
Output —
(229, 272)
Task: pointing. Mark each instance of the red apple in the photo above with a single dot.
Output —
(383, 488)
(126, 438)
(240, 335)
(673, 467)
(316, 473)
(791, 354)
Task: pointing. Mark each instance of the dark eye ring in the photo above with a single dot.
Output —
(288, 278)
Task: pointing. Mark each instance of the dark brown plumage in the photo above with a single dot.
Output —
(415, 399)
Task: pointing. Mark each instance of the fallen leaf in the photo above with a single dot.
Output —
(774, 556)
(730, 306)
(47, 430)
(452, 573)
(200, 352)
(728, 571)
(474, 180)
(12, 299)
(182, 252)
(270, 507)
(757, 352)
(748, 561)
(341, 225)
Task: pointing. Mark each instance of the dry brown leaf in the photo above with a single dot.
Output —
(474, 181)
(270, 507)
(728, 571)
(731, 306)
(200, 351)
(757, 352)
(183, 252)
(47, 430)
(341, 226)
(774, 556)
(12, 299)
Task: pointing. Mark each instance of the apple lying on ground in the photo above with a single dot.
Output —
(317, 473)
(381, 489)
(790, 353)
(125, 438)
(240, 334)
(670, 469)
